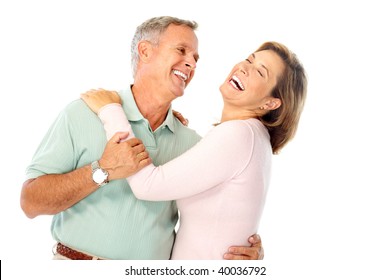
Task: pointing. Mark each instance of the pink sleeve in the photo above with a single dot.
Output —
(221, 155)
(114, 120)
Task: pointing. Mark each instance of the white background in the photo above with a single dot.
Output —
(327, 211)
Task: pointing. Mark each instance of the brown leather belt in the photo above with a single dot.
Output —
(73, 254)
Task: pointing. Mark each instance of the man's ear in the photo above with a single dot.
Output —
(272, 104)
(144, 50)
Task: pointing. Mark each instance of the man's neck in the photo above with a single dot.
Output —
(151, 107)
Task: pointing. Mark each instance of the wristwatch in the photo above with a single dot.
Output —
(99, 175)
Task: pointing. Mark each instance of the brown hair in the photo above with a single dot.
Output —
(291, 89)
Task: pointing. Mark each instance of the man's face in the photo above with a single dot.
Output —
(175, 58)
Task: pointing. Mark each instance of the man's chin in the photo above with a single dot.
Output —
(179, 92)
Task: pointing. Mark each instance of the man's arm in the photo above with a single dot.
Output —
(254, 252)
(53, 193)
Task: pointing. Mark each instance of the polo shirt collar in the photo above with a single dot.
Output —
(169, 121)
(133, 114)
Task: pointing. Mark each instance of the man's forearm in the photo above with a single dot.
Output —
(54, 193)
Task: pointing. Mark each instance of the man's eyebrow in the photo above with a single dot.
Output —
(267, 70)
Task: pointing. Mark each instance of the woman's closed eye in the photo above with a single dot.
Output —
(259, 71)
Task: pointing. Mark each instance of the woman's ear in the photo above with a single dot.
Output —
(272, 104)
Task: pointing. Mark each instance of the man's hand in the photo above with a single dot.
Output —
(254, 252)
(124, 158)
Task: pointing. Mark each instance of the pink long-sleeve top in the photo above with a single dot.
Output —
(220, 184)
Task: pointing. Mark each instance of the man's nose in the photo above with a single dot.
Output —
(191, 64)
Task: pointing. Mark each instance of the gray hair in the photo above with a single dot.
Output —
(151, 30)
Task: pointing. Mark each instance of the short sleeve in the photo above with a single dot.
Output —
(55, 154)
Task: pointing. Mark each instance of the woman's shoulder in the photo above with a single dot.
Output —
(242, 130)
(243, 126)
(235, 129)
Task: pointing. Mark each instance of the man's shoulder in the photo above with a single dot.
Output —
(77, 108)
(187, 132)
(192, 132)
(77, 115)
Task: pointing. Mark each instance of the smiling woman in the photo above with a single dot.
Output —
(220, 185)
(251, 91)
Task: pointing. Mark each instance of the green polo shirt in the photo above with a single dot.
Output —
(111, 222)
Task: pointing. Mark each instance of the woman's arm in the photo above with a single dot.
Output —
(222, 154)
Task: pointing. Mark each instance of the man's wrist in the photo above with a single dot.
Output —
(99, 175)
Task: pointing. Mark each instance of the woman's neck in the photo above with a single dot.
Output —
(229, 114)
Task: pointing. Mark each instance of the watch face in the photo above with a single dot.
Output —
(99, 176)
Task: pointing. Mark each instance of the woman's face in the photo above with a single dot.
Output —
(251, 81)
